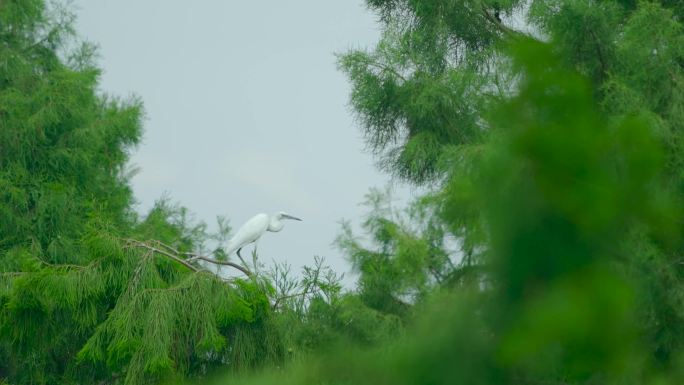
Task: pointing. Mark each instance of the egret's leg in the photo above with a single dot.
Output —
(240, 256)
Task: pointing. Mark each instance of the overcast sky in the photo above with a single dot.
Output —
(246, 111)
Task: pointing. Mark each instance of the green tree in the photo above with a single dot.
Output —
(407, 256)
(86, 296)
(316, 316)
(426, 96)
(64, 147)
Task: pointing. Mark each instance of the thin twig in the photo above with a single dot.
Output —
(13, 273)
(165, 253)
(384, 68)
(225, 263)
(510, 32)
(160, 243)
(65, 265)
(275, 304)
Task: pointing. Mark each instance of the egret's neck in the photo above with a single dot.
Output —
(275, 225)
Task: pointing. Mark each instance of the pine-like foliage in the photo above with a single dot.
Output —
(406, 256)
(316, 316)
(63, 147)
(423, 89)
(80, 301)
(426, 98)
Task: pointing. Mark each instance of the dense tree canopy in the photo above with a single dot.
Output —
(427, 97)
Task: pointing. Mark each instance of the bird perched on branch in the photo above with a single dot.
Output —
(254, 228)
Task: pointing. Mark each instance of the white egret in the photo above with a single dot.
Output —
(254, 228)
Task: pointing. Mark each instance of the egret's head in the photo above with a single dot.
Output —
(282, 215)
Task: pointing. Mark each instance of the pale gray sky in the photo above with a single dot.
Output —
(246, 110)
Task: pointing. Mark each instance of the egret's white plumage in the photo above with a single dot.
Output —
(254, 228)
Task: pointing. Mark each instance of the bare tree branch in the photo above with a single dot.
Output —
(170, 252)
(170, 248)
(496, 21)
(384, 68)
(144, 245)
(224, 263)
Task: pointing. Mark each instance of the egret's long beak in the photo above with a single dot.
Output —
(291, 217)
